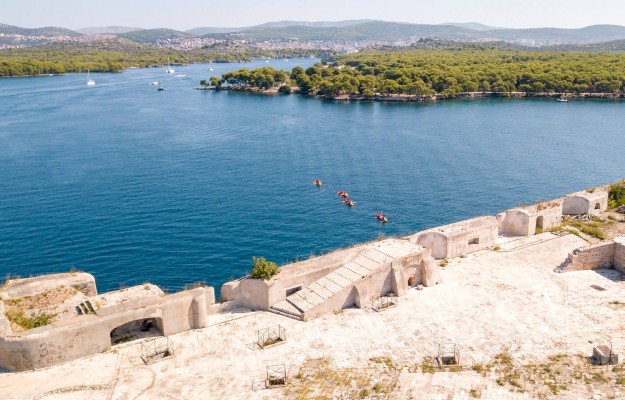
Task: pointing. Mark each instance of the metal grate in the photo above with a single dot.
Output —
(271, 336)
(156, 349)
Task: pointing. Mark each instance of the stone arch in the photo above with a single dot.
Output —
(136, 329)
(540, 221)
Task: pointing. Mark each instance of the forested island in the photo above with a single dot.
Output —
(115, 55)
(441, 73)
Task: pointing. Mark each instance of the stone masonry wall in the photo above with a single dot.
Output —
(619, 254)
(600, 255)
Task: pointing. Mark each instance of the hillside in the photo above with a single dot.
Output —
(377, 30)
(316, 24)
(475, 26)
(50, 31)
(393, 31)
(114, 55)
(545, 36)
(611, 46)
(200, 31)
(151, 36)
(114, 30)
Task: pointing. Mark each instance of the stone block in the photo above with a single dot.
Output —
(602, 355)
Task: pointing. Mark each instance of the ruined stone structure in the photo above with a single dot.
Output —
(585, 202)
(81, 330)
(603, 255)
(346, 278)
(526, 221)
(459, 238)
(88, 323)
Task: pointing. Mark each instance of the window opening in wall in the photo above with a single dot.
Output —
(597, 206)
(474, 241)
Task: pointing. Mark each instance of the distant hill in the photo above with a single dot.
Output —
(377, 30)
(475, 26)
(316, 24)
(614, 45)
(49, 31)
(201, 31)
(114, 30)
(547, 36)
(153, 35)
(341, 31)
(393, 31)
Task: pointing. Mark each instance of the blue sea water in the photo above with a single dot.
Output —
(178, 186)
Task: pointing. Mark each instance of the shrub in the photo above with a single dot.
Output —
(617, 195)
(263, 269)
(29, 322)
(284, 89)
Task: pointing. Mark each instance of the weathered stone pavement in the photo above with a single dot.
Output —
(489, 302)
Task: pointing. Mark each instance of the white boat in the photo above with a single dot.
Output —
(181, 76)
(169, 69)
(155, 83)
(286, 60)
(210, 66)
(90, 82)
(562, 100)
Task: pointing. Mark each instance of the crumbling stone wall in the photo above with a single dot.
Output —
(597, 256)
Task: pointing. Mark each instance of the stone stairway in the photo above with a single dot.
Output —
(297, 304)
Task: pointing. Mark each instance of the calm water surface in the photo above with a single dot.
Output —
(173, 187)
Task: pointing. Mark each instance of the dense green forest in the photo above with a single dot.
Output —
(448, 73)
(117, 54)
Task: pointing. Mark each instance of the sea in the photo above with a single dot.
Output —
(178, 186)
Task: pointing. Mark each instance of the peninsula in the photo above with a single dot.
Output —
(423, 74)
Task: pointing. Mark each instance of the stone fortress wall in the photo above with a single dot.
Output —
(303, 290)
(81, 335)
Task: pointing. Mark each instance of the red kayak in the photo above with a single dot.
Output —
(342, 193)
(317, 182)
(349, 202)
(381, 217)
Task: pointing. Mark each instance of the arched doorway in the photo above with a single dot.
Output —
(137, 329)
(539, 224)
(597, 206)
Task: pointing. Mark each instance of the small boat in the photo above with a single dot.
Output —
(381, 218)
(562, 100)
(155, 83)
(210, 66)
(160, 89)
(317, 182)
(342, 193)
(349, 202)
(181, 76)
(169, 69)
(90, 82)
(266, 61)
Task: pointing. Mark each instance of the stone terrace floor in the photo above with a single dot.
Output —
(489, 302)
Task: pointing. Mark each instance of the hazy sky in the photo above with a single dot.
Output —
(186, 14)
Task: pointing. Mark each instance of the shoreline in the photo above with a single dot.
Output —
(401, 98)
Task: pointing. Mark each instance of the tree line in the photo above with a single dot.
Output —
(449, 73)
(116, 55)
